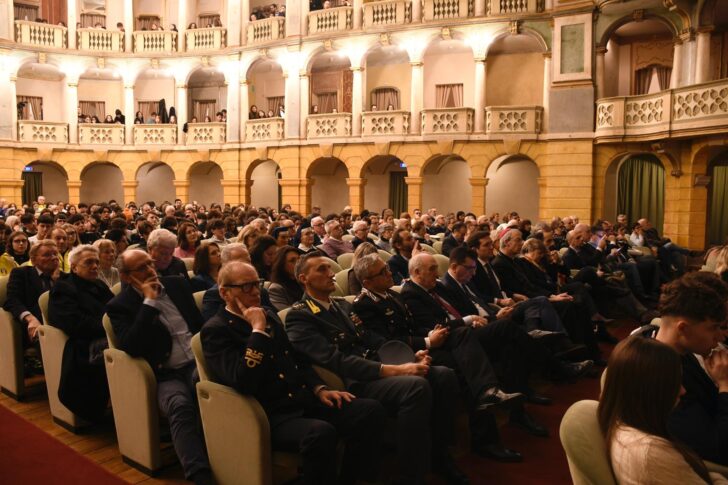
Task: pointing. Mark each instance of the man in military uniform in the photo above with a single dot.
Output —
(420, 395)
(247, 348)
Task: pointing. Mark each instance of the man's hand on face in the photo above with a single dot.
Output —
(149, 287)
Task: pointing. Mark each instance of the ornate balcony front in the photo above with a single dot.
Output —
(387, 12)
(513, 120)
(41, 34)
(511, 7)
(330, 20)
(331, 125)
(692, 110)
(205, 133)
(100, 134)
(100, 40)
(378, 123)
(42, 132)
(435, 10)
(155, 134)
(209, 39)
(264, 129)
(266, 30)
(447, 121)
(155, 41)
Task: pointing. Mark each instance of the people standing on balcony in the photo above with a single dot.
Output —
(172, 120)
(218, 117)
(152, 118)
(253, 114)
(217, 22)
(109, 119)
(314, 109)
(270, 114)
(98, 25)
(119, 117)
(208, 119)
(120, 27)
(186, 127)
(155, 26)
(192, 26)
(138, 118)
(173, 27)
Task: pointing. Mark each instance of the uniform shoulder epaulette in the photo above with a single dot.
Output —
(299, 305)
(358, 297)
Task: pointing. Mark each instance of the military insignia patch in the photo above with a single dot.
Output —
(253, 358)
(355, 318)
(313, 307)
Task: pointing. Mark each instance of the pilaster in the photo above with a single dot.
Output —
(297, 192)
(478, 185)
(130, 187)
(181, 189)
(414, 193)
(74, 191)
(356, 193)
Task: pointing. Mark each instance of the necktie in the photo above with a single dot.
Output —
(494, 279)
(445, 305)
(46, 279)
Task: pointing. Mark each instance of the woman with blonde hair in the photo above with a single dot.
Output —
(107, 256)
(721, 262)
(364, 249)
(248, 235)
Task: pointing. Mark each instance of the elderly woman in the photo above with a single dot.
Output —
(161, 244)
(285, 290)
(206, 266)
(76, 305)
(307, 240)
(107, 257)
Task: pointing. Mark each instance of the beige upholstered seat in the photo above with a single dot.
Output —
(334, 265)
(237, 434)
(342, 280)
(52, 342)
(397, 288)
(116, 289)
(443, 262)
(188, 263)
(11, 350)
(133, 390)
(345, 260)
(437, 246)
(198, 295)
(429, 249)
(347, 237)
(385, 255)
(585, 446)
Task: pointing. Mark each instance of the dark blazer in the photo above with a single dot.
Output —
(139, 332)
(176, 267)
(462, 302)
(24, 288)
(282, 297)
(587, 255)
(512, 278)
(356, 242)
(484, 285)
(399, 267)
(202, 282)
(330, 339)
(448, 244)
(76, 306)
(388, 319)
(263, 367)
(425, 310)
(537, 277)
(212, 302)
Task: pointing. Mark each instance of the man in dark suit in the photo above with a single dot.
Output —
(455, 239)
(360, 230)
(154, 318)
(404, 245)
(693, 311)
(320, 328)
(160, 245)
(246, 347)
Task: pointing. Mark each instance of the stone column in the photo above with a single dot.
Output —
(702, 62)
(130, 187)
(301, 27)
(182, 113)
(233, 102)
(13, 114)
(414, 193)
(245, 13)
(74, 191)
(182, 25)
(479, 9)
(546, 101)
(231, 191)
(129, 114)
(72, 111)
(676, 77)
(357, 5)
(416, 95)
(244, 108)
(416, 11)
(7, 27)
(245, 188)
(128, 25)
(233, 25)
(357, 90)
(356, 193)
(297, 192)
(600, 52)
(478, 185)
(303, 108)
(479, 93)
(182, 190)
(72, 18)
(293, 109)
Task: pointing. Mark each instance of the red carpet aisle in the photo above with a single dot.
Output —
(30, 456)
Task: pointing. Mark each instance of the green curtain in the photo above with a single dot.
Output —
(33, 186)
(718, 222)
(641, 190)
(397, 192)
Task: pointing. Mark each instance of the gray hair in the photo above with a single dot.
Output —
(74, 257)
(363, 266)
(533, 244)
(359, 225)
(103, 242)
(161, 237)
(507, 237)
(418, 261)
(227, 251)
(316, 219)
(330, 223)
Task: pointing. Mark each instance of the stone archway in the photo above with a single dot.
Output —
(53, 179)
(513, 186)
(206, 183)
(156, 183)
(329, 190)
(101, 181)
(446, 184)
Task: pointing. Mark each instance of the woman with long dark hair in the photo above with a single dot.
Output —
(206, 266)
(262, 255)
(642, 386)
(284, 290)
(188, 238)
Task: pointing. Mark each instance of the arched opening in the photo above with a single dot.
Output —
(263, 9)
(446, 184)
(206, 183)
(266, 89)
(156, 182)
(385, 187)
(44, 178)
(101, 182)
(388, 75)
(641, 189)
(147, 14)
(638, 59)
(718, 201)
(446, 87)
(266, 191)
(206, 13)
(331, 83)
(39, 88)
(100, 94)
(154, 94)
(513, 186)
(514, 73)
(206, 95)
(329, 190)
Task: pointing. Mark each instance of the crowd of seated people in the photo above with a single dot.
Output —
(518, 301)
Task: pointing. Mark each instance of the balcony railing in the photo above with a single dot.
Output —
(41, 34)
(510, 7)
(100, 40)
(440, 121)
(329, 125)
(387, 12)
(264, 129)
(330, 20)
(42, 132)
(445, 9)
(265, 30)
(200, 133)
(100, 134)
(211, 38)
(155, 41)
(701, 108)
(377, 123)
(155, 134)
(506, 120)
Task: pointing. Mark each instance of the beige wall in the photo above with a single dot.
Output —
(218, 93)
(449, 189)
(154, 90)
(264, 192)
(114, 14)
(101, 182)
(330, 192)
(205, 185)
(110, 92)
(376, 191)
(391, 75)
(209, 6)
(156, 182)
(513, 186)
(54, 182)
(441, 69)
(514, 79)
(263, 85)
(52, 93)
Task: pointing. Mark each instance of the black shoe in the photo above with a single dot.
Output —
(571, 371)
(525, 421)
(445, 467)
(498, 452)
(494, 397)
(534, 398)
(203, 477)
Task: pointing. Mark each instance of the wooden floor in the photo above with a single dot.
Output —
(98, 445)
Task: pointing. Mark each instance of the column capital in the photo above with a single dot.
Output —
(12, 78)
(181, 183)
(414, 180)
(356, 69)
(180, 86)
(478, 181)
(417, 63)
(72, 85)
(296, 182)
(302, 74)
(130, 183)
(74, 184)
(481, 59)
(12, 182)
(129, 86)
(600, 50)
(686, 36)
(705, 29)
(243, 81)
(354, 182)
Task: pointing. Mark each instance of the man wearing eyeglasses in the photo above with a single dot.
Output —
(154, 318)
(246, 348)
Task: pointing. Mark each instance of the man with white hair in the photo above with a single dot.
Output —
(160, 246)
(333, 245)
(360, 229)
(317, 224)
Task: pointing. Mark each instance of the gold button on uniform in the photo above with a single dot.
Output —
(290, 395)
(281, 376)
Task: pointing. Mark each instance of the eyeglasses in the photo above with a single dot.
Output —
(469, 268)
(382, 272)
(247, 286)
